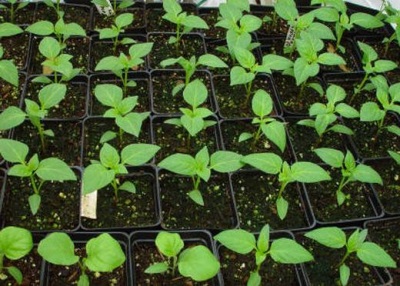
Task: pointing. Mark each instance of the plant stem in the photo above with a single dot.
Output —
(256, 136)
(174, 263)
(33, 183)
(359, 87)
(339, 35)
(125, 81)
(121, 135)
(302, 88)
(344, 258)
(12, 16)
(282, 188)
(248, 87)
(114, 184)
(343, 182)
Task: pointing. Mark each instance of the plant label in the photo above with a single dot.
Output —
(89, 205)
(290, 37)
(108, 11)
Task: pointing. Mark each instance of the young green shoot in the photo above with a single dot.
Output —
(63, 31)
(15, 243)
(281, 250)
(304, 172)
(247, 70)
(191, 65)
(350, 170)
(371, 66)
(197, 262)
(326, 115)
(393, 18)
(200, 167)
(55, 6)
(112, 164)
(38, 171)
(121, 109)
(120, 22)
(121, 65)
(193, 118)
(184, 22)
(116, 5)
(274, 130)
(103, 254)
(15, 6)
(367, 252)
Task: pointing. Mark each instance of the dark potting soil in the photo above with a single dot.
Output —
(16, 48)
(211, 15)
(64, 145)
(59, 208)
(10, 94)
(103, 21)
(23, 16)
(130, 210)
(180, 212)
(255, 196)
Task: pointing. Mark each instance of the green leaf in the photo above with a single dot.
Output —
(53, 169)
(282, 206)
(239, 75)
(131, 123)
(171, 6)
(96, 177)
(225, 161)
(128, 187)
(198, 263)
(195, 93)
(49, 47)
(140, 50)
(109, 156)
(138, 154)
(124, 20)
(275, 62)
(307, 172)
(11, 117)
(41, 28)
(347, 111)
(327, 14)
(394, 129)
(15, 242)
(108, 94)
(330, 59)
(381, 66)
(263, 239)
(332, 237)
(276, 132)
(303, 70)
(9, 72)
(13, 151)
(332, 157)
(9, 29)
(182, 164)
(83, 280)
(58, 248)
(196, 196)
(193, 21)
(156, 268)
(321, 31)
(237, 240)
(365, 20)
(210, 60)
(344, 271)
(192, 124)
(245, 136)
(366, 174)
(20, 170)
(322, 122)
(286, 9)
(254, 279)
(104, 253)
(269, 163)
(169, 244)
(250, 23)
(338, 128)
(372, 254)
(34, 203)
(107, 136)
(288, 251)
(52, 94)
(110, 63)
(245, 58)
(395, 156)
(262, 103)
(16, 274)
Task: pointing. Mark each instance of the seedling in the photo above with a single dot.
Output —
(63, 31)
(304, 172)
(121, 65)
(389, 100)
(335, 11)
(116, 29)
(371, 66)
(100, 174)
(117, 6)
(121, 109)
(269, 127)
(369, 253)
(327, 114)
(13, 9)
(103, 254)
(190, 66)
(281, 250)
(249, 68)
(350, 170)
(49, 96)
(15, 243)
(392, 18)
(38, 171)
(195, 94)
(184, 23)
(200, 167)
(196, 262)
(55, 6)
(8, 70)
(56, 62)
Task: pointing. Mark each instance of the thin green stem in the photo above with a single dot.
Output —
(343, 182)
(114, 184)
(174, 264)
(257, 136)
(282, 188)
(339, 35)
(33, 183)
(248, 87)
(120, 135)
(12, 13)
(359, 87)
(302, 89)
(197, 183)
(125, 81)
(344, 258)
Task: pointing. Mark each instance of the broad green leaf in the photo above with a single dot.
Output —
(250, 23)
(155, 268)
(20, 170)
(369, 53)
(104, 253)
(52, 94)
(365, 20)
(395, 156)
(49, 47)
(332, 157)
(288, 251)
(282, 207)
(192, 124)
(96, 177)
(275, 62)
(41, 28)
(196, 196)
(335, 93)
(307, 172)
(182, 164)
(332, 237)
(170, 61)
(276, 132)
(110, 63)
(394, 129)
(341, 129)
(124, 20)
(254, 279)
(381, 66)
(9, 29)
(171, 6)
(108, 94)
(13, 151)
(128, 187)
(239, 75)
(138, 154)
(15, 242)
(53, 169)
(108, 33)
(225, 161)
(331, 59)
(344, 271)
(9, 72)
(109, 156)
(195, 93)
(34, 203)
(317, 109)
(263, 239)
(245, 58)
(366, 174)
(210, 60)
(140, 50)
(73, 29)
(372, 254)
(130, 123)
(83, 280)
(16, 274)
(322, 122)
(237, 240)
(58, 248)
(198, 263)
(193, 21)
(286, 9)
(269, 163)
(245, 136)
(169, 244)
(262, 103)
(11, 117)
(303, 70)
(327, 14)
(347, 111)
